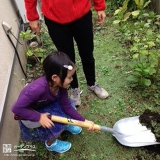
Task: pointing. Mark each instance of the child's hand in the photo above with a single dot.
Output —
(45, 121)
(91, 128)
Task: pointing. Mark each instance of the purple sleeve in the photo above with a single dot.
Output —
(67, 108)
(22, 106)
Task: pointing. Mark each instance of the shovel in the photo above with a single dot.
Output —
(128, 131)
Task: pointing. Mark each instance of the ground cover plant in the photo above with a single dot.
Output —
(114, 64)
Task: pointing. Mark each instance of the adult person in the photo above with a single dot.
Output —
(67, 21)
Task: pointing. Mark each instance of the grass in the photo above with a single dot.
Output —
(112, 69)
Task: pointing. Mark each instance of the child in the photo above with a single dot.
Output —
(45, 96)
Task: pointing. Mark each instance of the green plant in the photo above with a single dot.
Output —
(141, 37)
(146, 67)
(33, 49)
(141, 4)
(141, 75)
(38, 53)
(27, 35)
(123, 13)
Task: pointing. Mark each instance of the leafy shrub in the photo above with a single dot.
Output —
(141, 35)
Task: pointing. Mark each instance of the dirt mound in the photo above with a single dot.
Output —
(152, 121)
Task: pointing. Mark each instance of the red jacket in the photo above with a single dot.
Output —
(62, 11)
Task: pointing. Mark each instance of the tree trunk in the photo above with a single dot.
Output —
(155, 5)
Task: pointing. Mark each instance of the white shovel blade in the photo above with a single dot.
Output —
(143, 138)
(129, 126)
(130, 132)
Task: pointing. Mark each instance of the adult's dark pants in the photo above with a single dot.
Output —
(81, 30)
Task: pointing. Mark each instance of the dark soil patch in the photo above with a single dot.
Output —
(152, 121)
(153, 148)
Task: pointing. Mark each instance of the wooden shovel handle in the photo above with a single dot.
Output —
(73, 122)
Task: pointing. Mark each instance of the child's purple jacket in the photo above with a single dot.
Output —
(38, 92)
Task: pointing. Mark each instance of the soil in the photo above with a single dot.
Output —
(152, 121)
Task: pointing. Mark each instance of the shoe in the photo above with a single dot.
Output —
(73, 129)
(100, 92)
(59, 146)
(75, 96)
